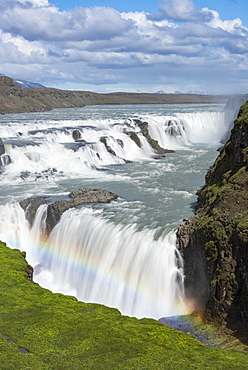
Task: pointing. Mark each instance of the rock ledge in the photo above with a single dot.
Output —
(57, 208)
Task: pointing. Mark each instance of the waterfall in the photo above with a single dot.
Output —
(99, 255)
(47, 150)
(187, 129)
(98, 261)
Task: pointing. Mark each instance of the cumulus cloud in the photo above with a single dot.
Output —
(214, 21)
(100, 45)
(179, 10)
(47, 23)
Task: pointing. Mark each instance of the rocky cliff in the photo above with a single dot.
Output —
(214, 242)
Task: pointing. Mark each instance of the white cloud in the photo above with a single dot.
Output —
(232, 26)
(102, 46)
(49, 24)
(182, 10)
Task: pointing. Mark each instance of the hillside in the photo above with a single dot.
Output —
(14, 99)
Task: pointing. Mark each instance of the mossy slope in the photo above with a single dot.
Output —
(61, 333)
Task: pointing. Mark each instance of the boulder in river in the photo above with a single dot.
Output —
(76, 134)
(2, 148)
(4, 158)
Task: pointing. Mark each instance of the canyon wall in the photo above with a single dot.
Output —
(214, 242)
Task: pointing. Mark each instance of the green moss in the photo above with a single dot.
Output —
(219, 232)
(245, 154)
(211, 250)
(203, 221)
(238, 175)
(243, 113)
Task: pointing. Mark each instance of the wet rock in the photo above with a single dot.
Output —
(109, 149)
(31, 205)
(76, 134)
(154, 143)
(56, 208)
(2, 148)
(24, 175)
(78, 198)
(133, 136)
(120, 142)
(5, 160)
(30, 273)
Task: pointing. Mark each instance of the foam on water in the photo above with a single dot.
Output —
(45, 149)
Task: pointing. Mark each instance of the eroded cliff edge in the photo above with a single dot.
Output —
(214, 242)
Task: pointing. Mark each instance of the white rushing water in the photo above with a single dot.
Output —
(122, 254)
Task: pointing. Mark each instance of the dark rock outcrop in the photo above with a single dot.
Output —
(154, 143)
(57, 208)
(214, 243)
(76, 134)
(2, 148)
(31, 205)
(78, 197)
(133, 136)
(4, 158)
(109, 149)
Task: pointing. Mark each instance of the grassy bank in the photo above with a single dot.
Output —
(58, 332)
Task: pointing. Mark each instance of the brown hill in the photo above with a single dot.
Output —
(14, 99)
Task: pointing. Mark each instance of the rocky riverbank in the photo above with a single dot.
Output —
(214, 243)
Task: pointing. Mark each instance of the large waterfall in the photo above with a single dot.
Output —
(121, 254)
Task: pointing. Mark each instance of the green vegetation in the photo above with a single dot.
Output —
(211, 250)
(61, 333)
(243, 113)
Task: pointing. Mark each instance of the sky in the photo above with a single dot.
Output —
(133, 46)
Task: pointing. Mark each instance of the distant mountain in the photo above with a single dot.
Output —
(26, 84)
(160, 92)
(193, 92)
(188, 92)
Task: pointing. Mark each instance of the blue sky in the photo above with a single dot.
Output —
(146, 46)
(228, 9)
